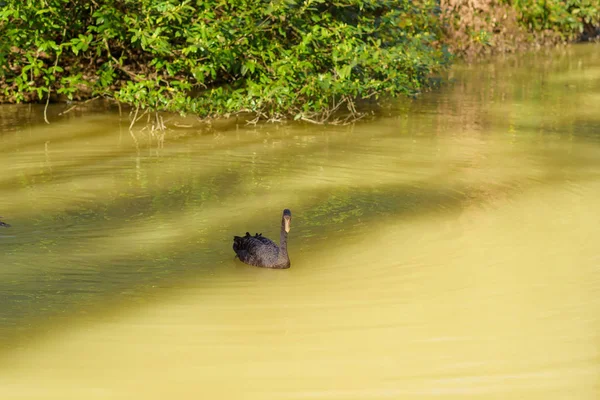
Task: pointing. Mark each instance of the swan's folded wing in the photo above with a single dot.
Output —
(254, 244)
(265, 241)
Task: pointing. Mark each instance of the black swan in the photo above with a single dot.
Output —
(259, 251)
(4, 224)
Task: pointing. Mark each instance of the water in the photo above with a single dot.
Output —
(446, 249)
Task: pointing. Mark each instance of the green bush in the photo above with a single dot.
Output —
(473, 28)
(567, 18)
(279, 58)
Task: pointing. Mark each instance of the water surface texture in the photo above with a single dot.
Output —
(447, 249)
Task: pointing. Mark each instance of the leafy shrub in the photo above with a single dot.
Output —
(477, 27)
(473, 27)
(566, 18)
(276, 58)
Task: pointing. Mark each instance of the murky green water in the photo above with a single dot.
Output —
(446, 250)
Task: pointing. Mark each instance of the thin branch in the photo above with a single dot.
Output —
(134, 118)
(46, 107)
(50, 91)
(79, 104)
(50, 86)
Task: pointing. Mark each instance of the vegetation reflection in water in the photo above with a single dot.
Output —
(448, 251)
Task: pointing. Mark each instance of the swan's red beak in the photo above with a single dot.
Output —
(286, 221)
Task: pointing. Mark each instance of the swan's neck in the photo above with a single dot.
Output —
(283, 254)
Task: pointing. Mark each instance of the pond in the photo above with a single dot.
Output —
(447, 248)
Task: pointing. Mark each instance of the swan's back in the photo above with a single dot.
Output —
(256, 250)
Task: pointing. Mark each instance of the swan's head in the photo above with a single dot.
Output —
(287, 219)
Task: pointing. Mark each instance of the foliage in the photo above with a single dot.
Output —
(566, 18)
(473, 27)
(478, 27)
(278, 58)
